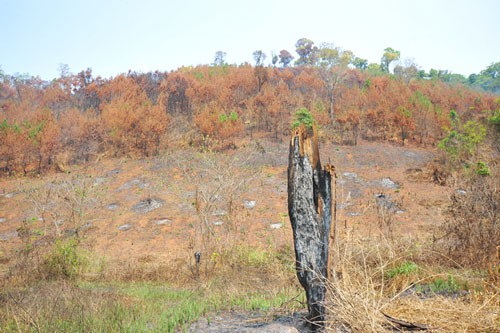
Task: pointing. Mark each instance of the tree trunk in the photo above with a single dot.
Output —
(331, 97)
(310, 202)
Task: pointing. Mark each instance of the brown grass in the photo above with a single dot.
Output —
(472, 229)
(362, 291)
(243, 256)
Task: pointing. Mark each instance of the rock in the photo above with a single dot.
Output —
(385, 201)
(350, 175)
(2, 219)
(410, 154)
(461, 192)
(276, 225)
(86, 226)
(112, 206)
(249, 204)
(10, 195)
(162, 221)
(219, 213)
(341, 181)
(354, 214)
(141, 183)
(99, 181)
(148, 205)
(8, 235)
(113, 172)
(124, 227)
(388, 183)
(217, 223)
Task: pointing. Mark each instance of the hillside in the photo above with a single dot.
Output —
(110, 187)
(120, 224)
(142, 219)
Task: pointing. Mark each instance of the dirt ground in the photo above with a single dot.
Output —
(145, 209)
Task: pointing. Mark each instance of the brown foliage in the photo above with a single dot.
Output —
(132, 122)
(128, 114)
(213, 122)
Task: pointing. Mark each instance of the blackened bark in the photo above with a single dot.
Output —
(310, 209)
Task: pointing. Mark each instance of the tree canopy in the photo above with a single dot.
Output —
(77, 117)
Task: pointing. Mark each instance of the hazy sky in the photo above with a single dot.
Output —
(112, 37)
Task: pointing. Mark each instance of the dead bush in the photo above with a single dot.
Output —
(59, 214)
(471, 232)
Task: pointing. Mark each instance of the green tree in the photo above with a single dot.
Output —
(220, 58)
(285, 58)
(374, 69)
(303, 116)
(307, 52)
(274, 59)
(259, 56)
(390, 55)
(360, 63)
(489, 78)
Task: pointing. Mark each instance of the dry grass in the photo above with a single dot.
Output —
(374, 275)
(444, 314)
(366, 286)
(45, 306)
(141, 295)
(472, 230)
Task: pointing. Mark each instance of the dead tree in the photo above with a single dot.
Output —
(310, 207)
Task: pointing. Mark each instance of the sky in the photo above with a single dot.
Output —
(112, 37)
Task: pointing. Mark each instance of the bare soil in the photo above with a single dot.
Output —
(146, 212)
(154, 197)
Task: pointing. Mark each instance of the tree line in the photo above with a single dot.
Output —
(77, 117)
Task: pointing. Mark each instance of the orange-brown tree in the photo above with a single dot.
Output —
(133, 123)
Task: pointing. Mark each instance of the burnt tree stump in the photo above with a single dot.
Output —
(310, 207)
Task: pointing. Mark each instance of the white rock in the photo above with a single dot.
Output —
(124, 227)
(249, 204)
(276, 225)
(163, 221)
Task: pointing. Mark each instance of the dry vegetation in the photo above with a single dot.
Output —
(110, 187)
(59, 278)
(375, 279)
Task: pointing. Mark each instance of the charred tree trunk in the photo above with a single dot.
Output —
(310, 206)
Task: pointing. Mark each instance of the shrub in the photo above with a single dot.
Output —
(459, 144)
(482, 169)
(303, 116)
(495, 119)
(406, 268)
(440, 286)
(65, 261)
(472, 229)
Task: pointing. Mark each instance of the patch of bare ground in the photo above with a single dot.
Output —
(231, 322)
